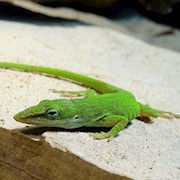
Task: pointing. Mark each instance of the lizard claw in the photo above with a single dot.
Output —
(102, 135)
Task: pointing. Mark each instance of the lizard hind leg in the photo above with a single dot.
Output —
(168, 115)
(147, 111)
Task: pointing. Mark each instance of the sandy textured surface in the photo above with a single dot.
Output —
(141, 151)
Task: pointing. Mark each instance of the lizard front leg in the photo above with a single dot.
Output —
(118, 122)
(86, 93)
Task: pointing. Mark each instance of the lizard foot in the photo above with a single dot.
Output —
(102, 135)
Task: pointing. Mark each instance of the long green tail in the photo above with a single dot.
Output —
(100, 86)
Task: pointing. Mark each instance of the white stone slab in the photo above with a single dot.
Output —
(141, 151)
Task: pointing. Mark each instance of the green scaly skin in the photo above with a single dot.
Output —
(114, 107)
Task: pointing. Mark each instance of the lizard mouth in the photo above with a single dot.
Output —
(33, 119)
(36, 120)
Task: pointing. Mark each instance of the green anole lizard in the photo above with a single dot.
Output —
(114, 107)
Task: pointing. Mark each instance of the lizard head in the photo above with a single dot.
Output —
(52, 113)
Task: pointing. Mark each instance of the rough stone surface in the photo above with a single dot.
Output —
(141, 151)
(23, 158)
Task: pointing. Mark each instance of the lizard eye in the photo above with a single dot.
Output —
(52, 113)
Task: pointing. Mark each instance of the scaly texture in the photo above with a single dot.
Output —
(114, 108)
